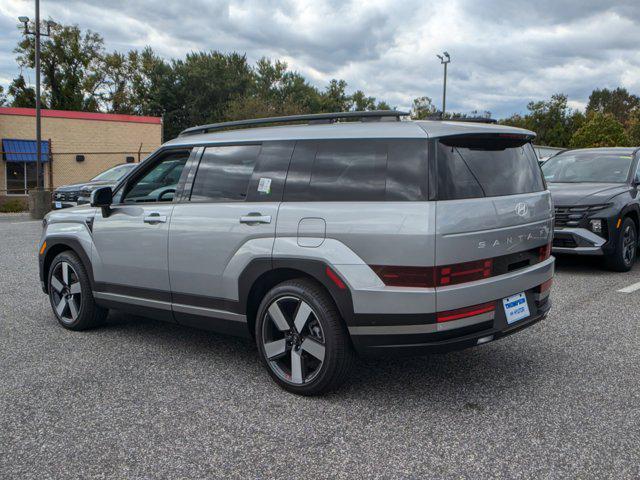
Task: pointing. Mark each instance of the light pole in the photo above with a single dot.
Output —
(444, 61)
(37, 34)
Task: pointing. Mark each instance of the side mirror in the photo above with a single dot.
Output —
(102, 197)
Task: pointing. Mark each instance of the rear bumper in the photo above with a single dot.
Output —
(429, 337)
(579, 241)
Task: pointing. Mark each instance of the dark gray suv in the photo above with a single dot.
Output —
(320, 240)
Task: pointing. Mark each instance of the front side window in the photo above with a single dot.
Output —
(21, 177)
(588, 166)
(476, 166)
(224, 173)
(158, 184)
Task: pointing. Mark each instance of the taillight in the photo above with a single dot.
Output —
(544, 252)
(425, 277)
(464, 272)
(458, 313)
(405, 276)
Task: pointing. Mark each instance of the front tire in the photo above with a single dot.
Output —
(302, 340)
(624, 255)
(70, 294)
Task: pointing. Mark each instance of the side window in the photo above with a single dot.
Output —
(358, 170)
(407, 171)
(160, 182)
(338, 171)
(224, 173)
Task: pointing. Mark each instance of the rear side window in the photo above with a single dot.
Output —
(486, 166)
(224, 173)
(357, 170)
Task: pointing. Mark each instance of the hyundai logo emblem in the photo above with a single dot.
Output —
(521, 209)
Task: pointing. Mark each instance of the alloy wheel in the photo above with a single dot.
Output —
(293, 340)
(66, 292)
(628, 245)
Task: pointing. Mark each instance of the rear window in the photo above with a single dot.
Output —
(486, 166)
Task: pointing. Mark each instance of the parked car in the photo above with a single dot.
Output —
(597, 207)
(319, 240)
(78, 193)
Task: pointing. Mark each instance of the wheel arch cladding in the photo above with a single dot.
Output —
(261, 275)
(632, 213)
(56, 246)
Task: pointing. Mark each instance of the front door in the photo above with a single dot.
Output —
(130, 241)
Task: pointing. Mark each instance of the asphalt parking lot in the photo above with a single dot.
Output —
(144, 399)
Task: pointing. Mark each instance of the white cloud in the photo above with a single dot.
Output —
(504, 52)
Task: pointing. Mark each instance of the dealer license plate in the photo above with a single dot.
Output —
(516, 307)
(58, 204)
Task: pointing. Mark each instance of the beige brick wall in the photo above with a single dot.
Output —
(97, 140)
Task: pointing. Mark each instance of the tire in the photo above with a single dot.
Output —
(70, 294)
(624, 256)
(302, 340)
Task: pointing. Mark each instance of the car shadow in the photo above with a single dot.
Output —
(469, 375)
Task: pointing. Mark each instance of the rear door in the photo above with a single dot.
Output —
(227, 220)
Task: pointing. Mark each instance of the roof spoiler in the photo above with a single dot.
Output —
(462, 119)
(373, 115)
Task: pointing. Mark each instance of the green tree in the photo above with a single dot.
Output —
(600, 130)
(3, 97)
(71, 62)
(619, 103)
(553, 121)
(633, 130)
(422, 108)
(334, 98)
(22, 95)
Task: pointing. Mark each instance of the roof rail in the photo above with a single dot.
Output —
(372, 115)
(463, 119)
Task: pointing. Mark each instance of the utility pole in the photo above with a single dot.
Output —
(444, 61)
(37, 33)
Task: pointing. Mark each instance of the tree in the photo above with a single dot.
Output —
(3, 97)
(553, 121)
(22, 95)
(633, 130)
(71, 66)
(619, 103)
(600, 130)
(334, 97)
(422, 108)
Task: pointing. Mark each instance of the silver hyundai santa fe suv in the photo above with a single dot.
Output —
(319, 239)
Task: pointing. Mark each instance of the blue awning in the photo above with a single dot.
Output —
(24, 150)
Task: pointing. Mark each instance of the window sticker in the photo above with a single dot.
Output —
(264, 186)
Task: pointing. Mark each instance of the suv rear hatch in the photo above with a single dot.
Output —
(493, 218)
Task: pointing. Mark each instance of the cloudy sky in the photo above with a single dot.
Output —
(504, 52)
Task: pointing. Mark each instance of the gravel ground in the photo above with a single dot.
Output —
(143, 399)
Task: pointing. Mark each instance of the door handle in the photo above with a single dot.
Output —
(254, 218)
(155, 217)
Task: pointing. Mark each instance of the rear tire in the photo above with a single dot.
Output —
(70, 294)
(624, 256)
(302, 340)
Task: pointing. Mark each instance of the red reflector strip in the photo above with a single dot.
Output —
(545, 286)
(335, 278)
(457, 314)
